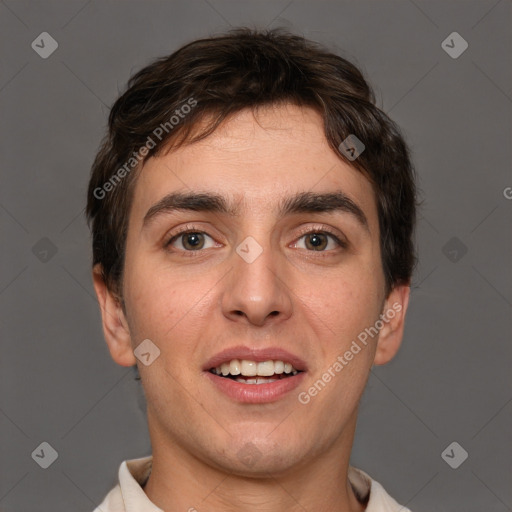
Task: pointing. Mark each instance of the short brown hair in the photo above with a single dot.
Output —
(216, 77)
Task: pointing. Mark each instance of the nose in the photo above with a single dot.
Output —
(257, 291)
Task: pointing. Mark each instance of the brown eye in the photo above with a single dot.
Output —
(319, 241)
(316, 241)
(190, 241)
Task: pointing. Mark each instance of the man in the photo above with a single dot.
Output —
(252, 214)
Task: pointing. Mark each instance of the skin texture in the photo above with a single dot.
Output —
(193, 304)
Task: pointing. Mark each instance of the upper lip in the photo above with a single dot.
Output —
(259, 355)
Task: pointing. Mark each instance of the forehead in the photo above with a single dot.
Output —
(255, 159)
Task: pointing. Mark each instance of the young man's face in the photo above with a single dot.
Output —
(251, 280)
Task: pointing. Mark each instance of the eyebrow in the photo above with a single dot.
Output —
(302, 202)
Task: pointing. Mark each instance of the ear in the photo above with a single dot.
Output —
(115, 326)
(393, 317)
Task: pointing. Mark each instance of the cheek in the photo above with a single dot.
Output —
(340, 312)
(161, 304)
(345, 305)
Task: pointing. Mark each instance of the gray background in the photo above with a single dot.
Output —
(450, 381)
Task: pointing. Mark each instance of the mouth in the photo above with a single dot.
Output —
(253, 372)
(255, 376)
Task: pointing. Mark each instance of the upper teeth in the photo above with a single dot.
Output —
(253, 368)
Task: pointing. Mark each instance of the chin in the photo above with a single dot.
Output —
(257, 457)
(253, 463)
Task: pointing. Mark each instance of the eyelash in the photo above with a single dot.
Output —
(306, 231)
(182, 231)
(322, 230)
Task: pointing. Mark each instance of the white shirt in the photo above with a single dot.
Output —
(128, 495)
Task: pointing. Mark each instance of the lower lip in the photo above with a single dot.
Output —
(256, 393)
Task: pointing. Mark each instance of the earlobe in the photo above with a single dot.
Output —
(393, 315)
(115, 327)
